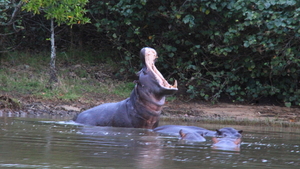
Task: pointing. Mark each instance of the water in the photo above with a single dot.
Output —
(37, 143)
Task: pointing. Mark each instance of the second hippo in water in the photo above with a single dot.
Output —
(229, 132)
(226, 142)
(230, 139)
(193, 133)
(194, 136)
(223, 132)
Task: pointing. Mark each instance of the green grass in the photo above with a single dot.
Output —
(27, 74)
(124, 89)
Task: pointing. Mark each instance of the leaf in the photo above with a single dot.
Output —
(267, 5)
(207, 11)
(246, 44)
(213, 6)
(287, 104)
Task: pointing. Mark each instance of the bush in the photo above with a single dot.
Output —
(242, 49)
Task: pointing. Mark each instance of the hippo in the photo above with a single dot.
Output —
(193, 133)
(229, 132)
(226, 142)
(194, 136)
(229, 139)
(143, 108)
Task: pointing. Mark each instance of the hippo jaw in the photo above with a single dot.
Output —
(149, 56)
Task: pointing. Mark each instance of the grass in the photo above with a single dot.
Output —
(27, 74)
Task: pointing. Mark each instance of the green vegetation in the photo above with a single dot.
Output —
(235, 49)
(27, 74)
(69, 12)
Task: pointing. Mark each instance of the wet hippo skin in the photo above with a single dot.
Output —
(229, 132)
(221, 137)
(175, 129)
(142, 109)
(194, 136)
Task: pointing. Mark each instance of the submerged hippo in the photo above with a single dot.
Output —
(229, 132)
(226, 142)
(142, 109)
(194, 136)
(193, 133)
(229, 139)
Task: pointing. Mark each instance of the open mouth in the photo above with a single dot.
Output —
(150, 57)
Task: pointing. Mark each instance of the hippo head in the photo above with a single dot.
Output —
(229, 132)
(151, 78)
(152, 87)
(191, 136)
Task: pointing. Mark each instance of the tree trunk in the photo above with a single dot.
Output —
(53, 73)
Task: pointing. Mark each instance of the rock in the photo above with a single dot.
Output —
(70, 108)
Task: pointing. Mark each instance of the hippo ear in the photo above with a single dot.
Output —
(215, 140)
(240, 131)
(237, 141)
(219, 132)
(182, 134)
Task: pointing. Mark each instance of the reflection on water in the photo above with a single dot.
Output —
(34, 143)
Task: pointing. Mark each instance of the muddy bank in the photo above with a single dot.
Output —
(234, 113)
(173, 111)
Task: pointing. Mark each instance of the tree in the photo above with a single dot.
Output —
(68, 12)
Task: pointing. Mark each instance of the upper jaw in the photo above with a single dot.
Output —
(150, 56)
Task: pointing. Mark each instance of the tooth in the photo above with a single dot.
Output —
(175, 84)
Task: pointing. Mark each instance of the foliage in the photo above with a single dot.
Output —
(63, 11)
(242, 49)
(10, 23)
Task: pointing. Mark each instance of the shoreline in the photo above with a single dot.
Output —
(176, 111)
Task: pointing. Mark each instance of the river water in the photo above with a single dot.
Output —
(40, 143)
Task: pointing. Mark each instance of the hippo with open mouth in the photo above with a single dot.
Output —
(143, 108)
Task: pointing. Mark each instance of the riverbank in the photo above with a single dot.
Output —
(83, 84)
(174, 111)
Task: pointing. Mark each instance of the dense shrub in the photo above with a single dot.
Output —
(241, 49)
(245, 49)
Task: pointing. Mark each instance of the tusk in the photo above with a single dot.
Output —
(175, 84)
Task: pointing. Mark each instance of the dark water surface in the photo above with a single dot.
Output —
(38, 143)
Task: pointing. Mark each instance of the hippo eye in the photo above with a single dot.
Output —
(218, 132)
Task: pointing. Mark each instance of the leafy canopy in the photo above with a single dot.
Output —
(63, 11)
